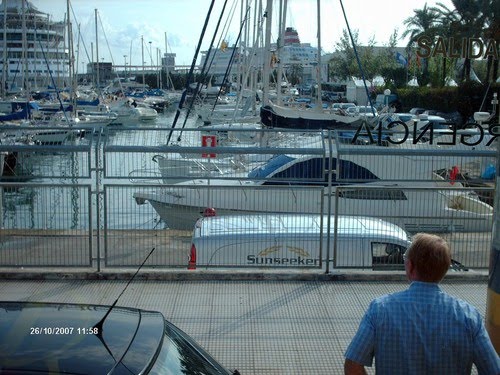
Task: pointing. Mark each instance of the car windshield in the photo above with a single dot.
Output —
(180, 355)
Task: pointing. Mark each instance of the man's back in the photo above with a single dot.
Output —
(421, 330)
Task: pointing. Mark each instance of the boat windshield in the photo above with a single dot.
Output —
(311, 170)
(270, 167)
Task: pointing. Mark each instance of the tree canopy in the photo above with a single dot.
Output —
(467, 19)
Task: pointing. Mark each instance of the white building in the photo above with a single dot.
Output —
(30, 56)
(168, 61)
(292, 53)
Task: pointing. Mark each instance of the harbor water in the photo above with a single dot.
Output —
(49, 194)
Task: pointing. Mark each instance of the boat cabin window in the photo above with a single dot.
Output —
(352, 172)
(369, 194)
(310, 170)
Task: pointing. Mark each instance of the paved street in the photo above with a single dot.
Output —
(258, 327)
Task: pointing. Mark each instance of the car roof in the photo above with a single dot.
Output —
(56, 338)
(296, 224)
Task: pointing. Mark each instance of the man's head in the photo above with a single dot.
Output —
(428, 258)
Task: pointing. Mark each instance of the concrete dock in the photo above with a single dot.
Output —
(256, 326)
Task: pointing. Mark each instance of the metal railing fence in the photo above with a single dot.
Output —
(34, 236)
(103, 200)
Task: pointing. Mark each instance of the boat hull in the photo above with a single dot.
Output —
(180, 207)
(289, 118)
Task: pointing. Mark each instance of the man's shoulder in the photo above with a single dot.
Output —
(391, 299)
(417, 290)
(396, 296)
(427, 294)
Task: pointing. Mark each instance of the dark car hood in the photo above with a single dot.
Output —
(43, 337)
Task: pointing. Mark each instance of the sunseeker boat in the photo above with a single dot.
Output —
(398, 184)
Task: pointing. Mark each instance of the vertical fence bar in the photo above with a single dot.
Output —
(329, 210)
(493, 291)
(89, 203)
(97, 171)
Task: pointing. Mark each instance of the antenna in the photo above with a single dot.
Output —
(101, 322)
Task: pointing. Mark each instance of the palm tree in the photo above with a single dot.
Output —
(491, 31)
(445, 30)
(466, 21)
(424, 22)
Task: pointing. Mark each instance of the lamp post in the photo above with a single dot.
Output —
(158, 71)
(150, 55)
(142, 53)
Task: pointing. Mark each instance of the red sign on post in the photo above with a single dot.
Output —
(208, 141)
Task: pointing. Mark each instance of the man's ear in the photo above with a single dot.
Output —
(410, 269)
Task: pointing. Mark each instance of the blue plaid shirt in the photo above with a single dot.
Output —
(423, 330)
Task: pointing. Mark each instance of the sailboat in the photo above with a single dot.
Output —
(314, 116)
(277, 116)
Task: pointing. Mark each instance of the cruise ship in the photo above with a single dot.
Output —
(31, 45)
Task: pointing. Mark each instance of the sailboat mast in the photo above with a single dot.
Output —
(96, 51)
(23, 54)
(5, 65)
(267, 53)
(318, 69)
(35, 62)
(256, 39)
(71, 66)
(242, 59)
(142, 51)
(280, 44)
(167, 72)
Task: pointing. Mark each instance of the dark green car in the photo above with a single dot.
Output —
(38, 338)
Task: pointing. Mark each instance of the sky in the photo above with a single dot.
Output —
(126, 28)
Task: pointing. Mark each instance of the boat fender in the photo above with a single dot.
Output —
(209, 211)
(453, 174)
